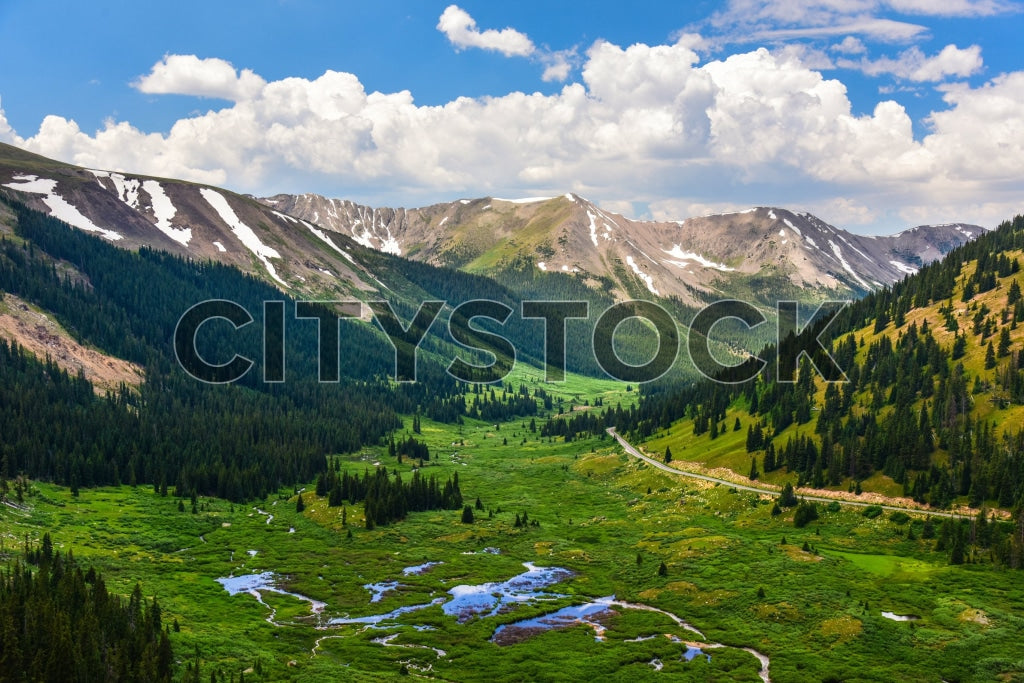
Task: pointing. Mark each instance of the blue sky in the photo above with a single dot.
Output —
(873, 114)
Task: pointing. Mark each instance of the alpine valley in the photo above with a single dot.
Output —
(337, 524)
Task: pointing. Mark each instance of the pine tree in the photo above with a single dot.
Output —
(928, 530)
(754, 474)
(956, 555)
(299, 504)
(668, 454)
(788, 497)
(990, 356)
(959, 347)
(662, 569)
(1013, 295)
(467, 515)
(1004, 343)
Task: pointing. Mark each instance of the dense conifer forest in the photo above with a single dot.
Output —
(59, 623)
(236, 441)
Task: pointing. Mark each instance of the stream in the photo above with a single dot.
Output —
(466, 602)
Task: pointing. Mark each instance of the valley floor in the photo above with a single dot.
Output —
(633, 558)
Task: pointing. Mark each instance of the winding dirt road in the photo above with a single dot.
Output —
(766, 491)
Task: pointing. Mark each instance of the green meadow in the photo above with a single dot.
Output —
(810, 599)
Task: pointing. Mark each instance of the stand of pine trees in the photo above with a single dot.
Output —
(59, 623)
(387, 498)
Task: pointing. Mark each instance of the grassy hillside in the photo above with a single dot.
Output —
(934, 398)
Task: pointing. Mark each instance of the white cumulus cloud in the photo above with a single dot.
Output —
(850, 45)
(462, 31)
(644, 125)
(190, 75)
(6, 132)
(912, 64)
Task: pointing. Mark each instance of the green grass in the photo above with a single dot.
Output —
(820, 617)
(889, 565)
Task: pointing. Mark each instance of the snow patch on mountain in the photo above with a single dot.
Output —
(966, 233)
(390, 245)
(677, 252)
(846, 266)
(164, 210)
(243, 232)
(865, 256)
(322, 235)
(59, 207)
(220, 247)
(593, 228)
(648, 280)
(127, 189)
(909, 270)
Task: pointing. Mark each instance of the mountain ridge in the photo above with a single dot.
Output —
(317, 246)
(689, 259)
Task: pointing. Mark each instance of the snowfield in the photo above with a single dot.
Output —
(242, 231)
(164, 211)
(59, 207)
(677, 252)
(648, 280)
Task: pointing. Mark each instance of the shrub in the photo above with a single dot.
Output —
(805, 513)
(899, 517)
(872, 511)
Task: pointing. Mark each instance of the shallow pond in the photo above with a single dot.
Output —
(488, 599)
(900, 617)
(380, 589)
(256, 584)
(419, 568)
(465, 602)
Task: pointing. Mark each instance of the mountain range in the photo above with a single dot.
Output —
(317, 246)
